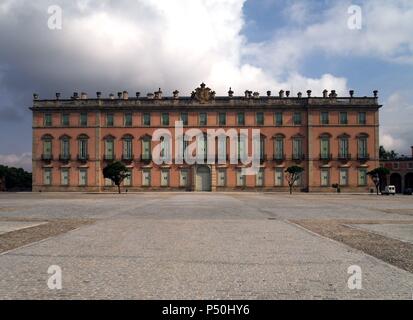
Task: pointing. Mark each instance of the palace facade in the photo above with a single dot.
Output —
(335, 139)
(401, 172)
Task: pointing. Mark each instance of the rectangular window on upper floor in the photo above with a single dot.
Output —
(343, 118)
(324, 118)
(128, 119)
(65, 120)
(362, 118)
(83, 119)
(241, 118)
(165, 119)
(297, 118)
(109, 120)
(222, 119)
(48, 120)
(184, 118)
(146, 119)
(203, 119)
(278, 119)
(260, 118)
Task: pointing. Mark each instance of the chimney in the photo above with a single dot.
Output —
(75, 96)
(111, 96)
(158, 94)
(57, 95)
(138, 94)
(281, 94)
(35, 96)
(351, 93)
(268, 93)
(125, 95)
(98, 94)
(299, 95)
(287, 94)
(325, 93)
(376, 93)
(230, 93)
(256, 95)
(309, 93)
(83, 96)
(120, 95)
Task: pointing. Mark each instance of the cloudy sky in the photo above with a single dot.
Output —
(260, 45)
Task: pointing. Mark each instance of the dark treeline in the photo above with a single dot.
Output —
(15, 179)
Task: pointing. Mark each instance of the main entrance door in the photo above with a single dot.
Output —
(203, 178)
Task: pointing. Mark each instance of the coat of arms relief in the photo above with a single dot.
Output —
(203, 94)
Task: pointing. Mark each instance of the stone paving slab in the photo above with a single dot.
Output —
(9, 226)
(403, 232)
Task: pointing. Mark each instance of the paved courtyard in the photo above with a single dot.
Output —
(206, 246)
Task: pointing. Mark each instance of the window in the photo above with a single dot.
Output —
(222, 149)
(184, 178)
(362, 118)
(325, 177)
(127, 182)
(222, 119)
(109, 120)
(83, 148)
(243, 147)
(343, 118)
(241, 118)
(146, 177)
(47, 148)
(279, 177)
(362, 147)
(109, 149)
(325, 148)
(297, 148)
(203, 121)
(146, 149)
(259, 178)
(362, 177)
(324, 118)
(278, 118)
(396, 166)
(48, 120)
(166, 149)
(343, 177)
(279, 148)
(147, 119)
(127, 148)
(83, 177)
(240, 178)
(128, 120)
(202, 148)
(83, 119)
(47, 176)
(297, 120)
(184, 118)
(64, 177)
(260, 118)
(65, 120)
(343, 144)
(222, 177)
(65, 148)
(165, 119)
(164, 177)
(410, 165)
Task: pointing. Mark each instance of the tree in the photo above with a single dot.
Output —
(15, 179)
(293, 175)
(117, 172)
(379, 176)
(388, 155)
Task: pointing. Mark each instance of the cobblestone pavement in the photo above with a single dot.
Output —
(199, 246)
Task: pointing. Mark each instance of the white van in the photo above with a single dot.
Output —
(389, 190)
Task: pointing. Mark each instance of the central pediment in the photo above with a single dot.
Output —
(203, 94)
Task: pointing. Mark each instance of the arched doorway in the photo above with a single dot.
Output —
(408, 181)
(396, 180)
(203, 179)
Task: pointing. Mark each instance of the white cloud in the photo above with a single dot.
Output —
(17, 160)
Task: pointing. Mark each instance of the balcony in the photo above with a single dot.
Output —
(363, 157)
(109, 157)
(344, 157)
(83, 158)
(298, 157)
(127, 157)
(146, 158)
(65, 158)
(47, 157)
(326, 157)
